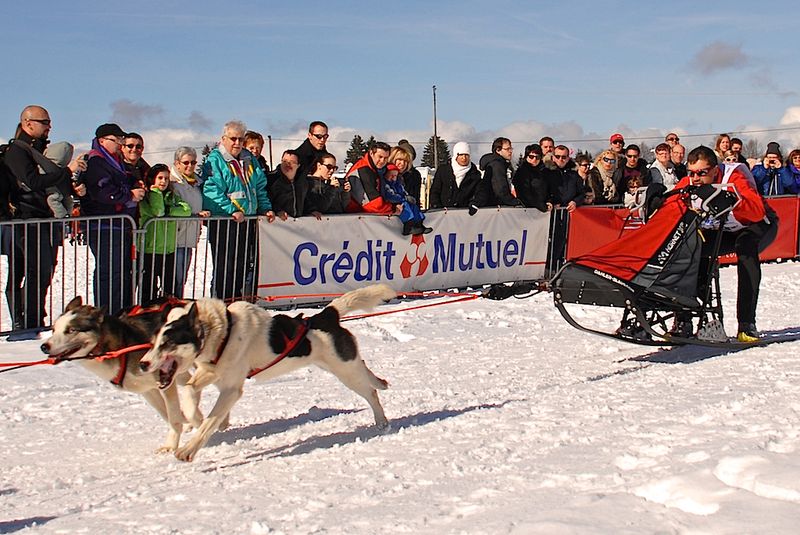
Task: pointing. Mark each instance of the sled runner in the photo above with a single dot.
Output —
(648, 279)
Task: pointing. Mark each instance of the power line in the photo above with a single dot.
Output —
(564, 141)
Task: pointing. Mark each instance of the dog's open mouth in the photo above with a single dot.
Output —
(167, 372)
(68, 352)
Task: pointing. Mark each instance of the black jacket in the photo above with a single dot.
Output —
(324, 198)
(307, 154)
(495, 187)
(285, 195)
(412, 182)
(567, 185)
(619, 176)
(533, 185)
(28, 194)
(444, 192)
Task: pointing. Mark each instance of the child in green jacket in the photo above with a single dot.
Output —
(158, 270)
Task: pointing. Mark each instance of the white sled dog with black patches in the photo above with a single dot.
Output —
(227, 344)
(84, 331)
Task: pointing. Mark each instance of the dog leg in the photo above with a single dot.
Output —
(155, 399)
(189, 401)
(175, 418)
(202, 378)
(357, 377)
(225, 423)
(228, 396)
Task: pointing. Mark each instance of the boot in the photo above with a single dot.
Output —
(408, 228)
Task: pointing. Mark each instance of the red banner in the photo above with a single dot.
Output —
(593, 226)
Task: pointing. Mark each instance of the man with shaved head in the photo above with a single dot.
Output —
(30, 246)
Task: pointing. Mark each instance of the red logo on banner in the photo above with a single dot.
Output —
(415, 262)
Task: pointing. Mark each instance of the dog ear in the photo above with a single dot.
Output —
(75, 303)
(193, 316)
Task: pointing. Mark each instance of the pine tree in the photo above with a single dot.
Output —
(356, 151)
(443, 152)
(370, 142)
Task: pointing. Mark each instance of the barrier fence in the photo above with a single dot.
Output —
(112, 262)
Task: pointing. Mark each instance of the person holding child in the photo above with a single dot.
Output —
(158, 267)
(392, 191)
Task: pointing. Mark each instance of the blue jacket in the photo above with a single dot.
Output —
(793, 178)
(108, 185)
(234, 184)
(773, 181)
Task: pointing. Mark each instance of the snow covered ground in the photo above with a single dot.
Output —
(504, 420)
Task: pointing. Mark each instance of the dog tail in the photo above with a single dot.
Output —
(365, 298)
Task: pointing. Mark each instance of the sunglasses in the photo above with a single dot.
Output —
(560, 156)
(235, 139)
(673, 139)
(618, 142)
(609, 160)
(731, 159)
(320, 136)
(135, 146)
(631, 155)
(45, 122)
(533, 156)
(189, 162)
(331, 167)
(586, 164)
(704, 172)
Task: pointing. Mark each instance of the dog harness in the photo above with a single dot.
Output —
(221, 348)
(291, 343)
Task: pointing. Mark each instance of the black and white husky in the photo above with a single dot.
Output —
(83, 331)
(228, 344)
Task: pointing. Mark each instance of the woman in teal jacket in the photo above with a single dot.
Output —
(158, 269)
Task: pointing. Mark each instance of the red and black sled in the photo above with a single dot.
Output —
(643, 287)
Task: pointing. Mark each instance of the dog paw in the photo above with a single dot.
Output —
(165, 449)
(383, 425)
(185, 454)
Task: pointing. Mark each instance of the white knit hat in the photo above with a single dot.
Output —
(462, 147)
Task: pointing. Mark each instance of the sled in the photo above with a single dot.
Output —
(646, 282)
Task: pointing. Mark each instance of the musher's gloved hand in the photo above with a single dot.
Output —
(653, 199)
(473, 209)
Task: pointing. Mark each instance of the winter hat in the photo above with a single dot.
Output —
(774, 148)
(462, 147)
(617, 137)
(59, 153)
(392, 167)
(109, 129)
(404, 144)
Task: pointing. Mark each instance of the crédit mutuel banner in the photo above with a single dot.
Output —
(307, 256)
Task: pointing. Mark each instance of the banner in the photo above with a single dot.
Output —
(343, 252)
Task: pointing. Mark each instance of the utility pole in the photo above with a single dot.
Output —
(271, 165)
(435, 134)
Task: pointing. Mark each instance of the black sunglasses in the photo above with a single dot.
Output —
(45, 122)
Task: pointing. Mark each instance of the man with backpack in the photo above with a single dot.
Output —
(27, 174)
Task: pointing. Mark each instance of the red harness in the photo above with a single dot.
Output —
(291, 343)
(221, 348)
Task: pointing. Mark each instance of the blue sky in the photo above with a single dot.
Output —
(578, 71)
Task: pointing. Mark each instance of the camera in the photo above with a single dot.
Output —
(77, 176)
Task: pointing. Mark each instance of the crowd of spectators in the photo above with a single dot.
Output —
(234, 182)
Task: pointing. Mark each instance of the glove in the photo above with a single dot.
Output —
(653, 199)
(473, 209)
(410, 199)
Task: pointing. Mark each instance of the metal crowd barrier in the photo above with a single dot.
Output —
(61, 258)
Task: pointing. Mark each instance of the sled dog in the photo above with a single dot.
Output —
(84, 330)
(228, 344)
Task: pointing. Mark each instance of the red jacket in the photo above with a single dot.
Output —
(366, 189)
(751, 206)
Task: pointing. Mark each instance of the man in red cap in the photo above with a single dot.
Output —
(617, 144)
